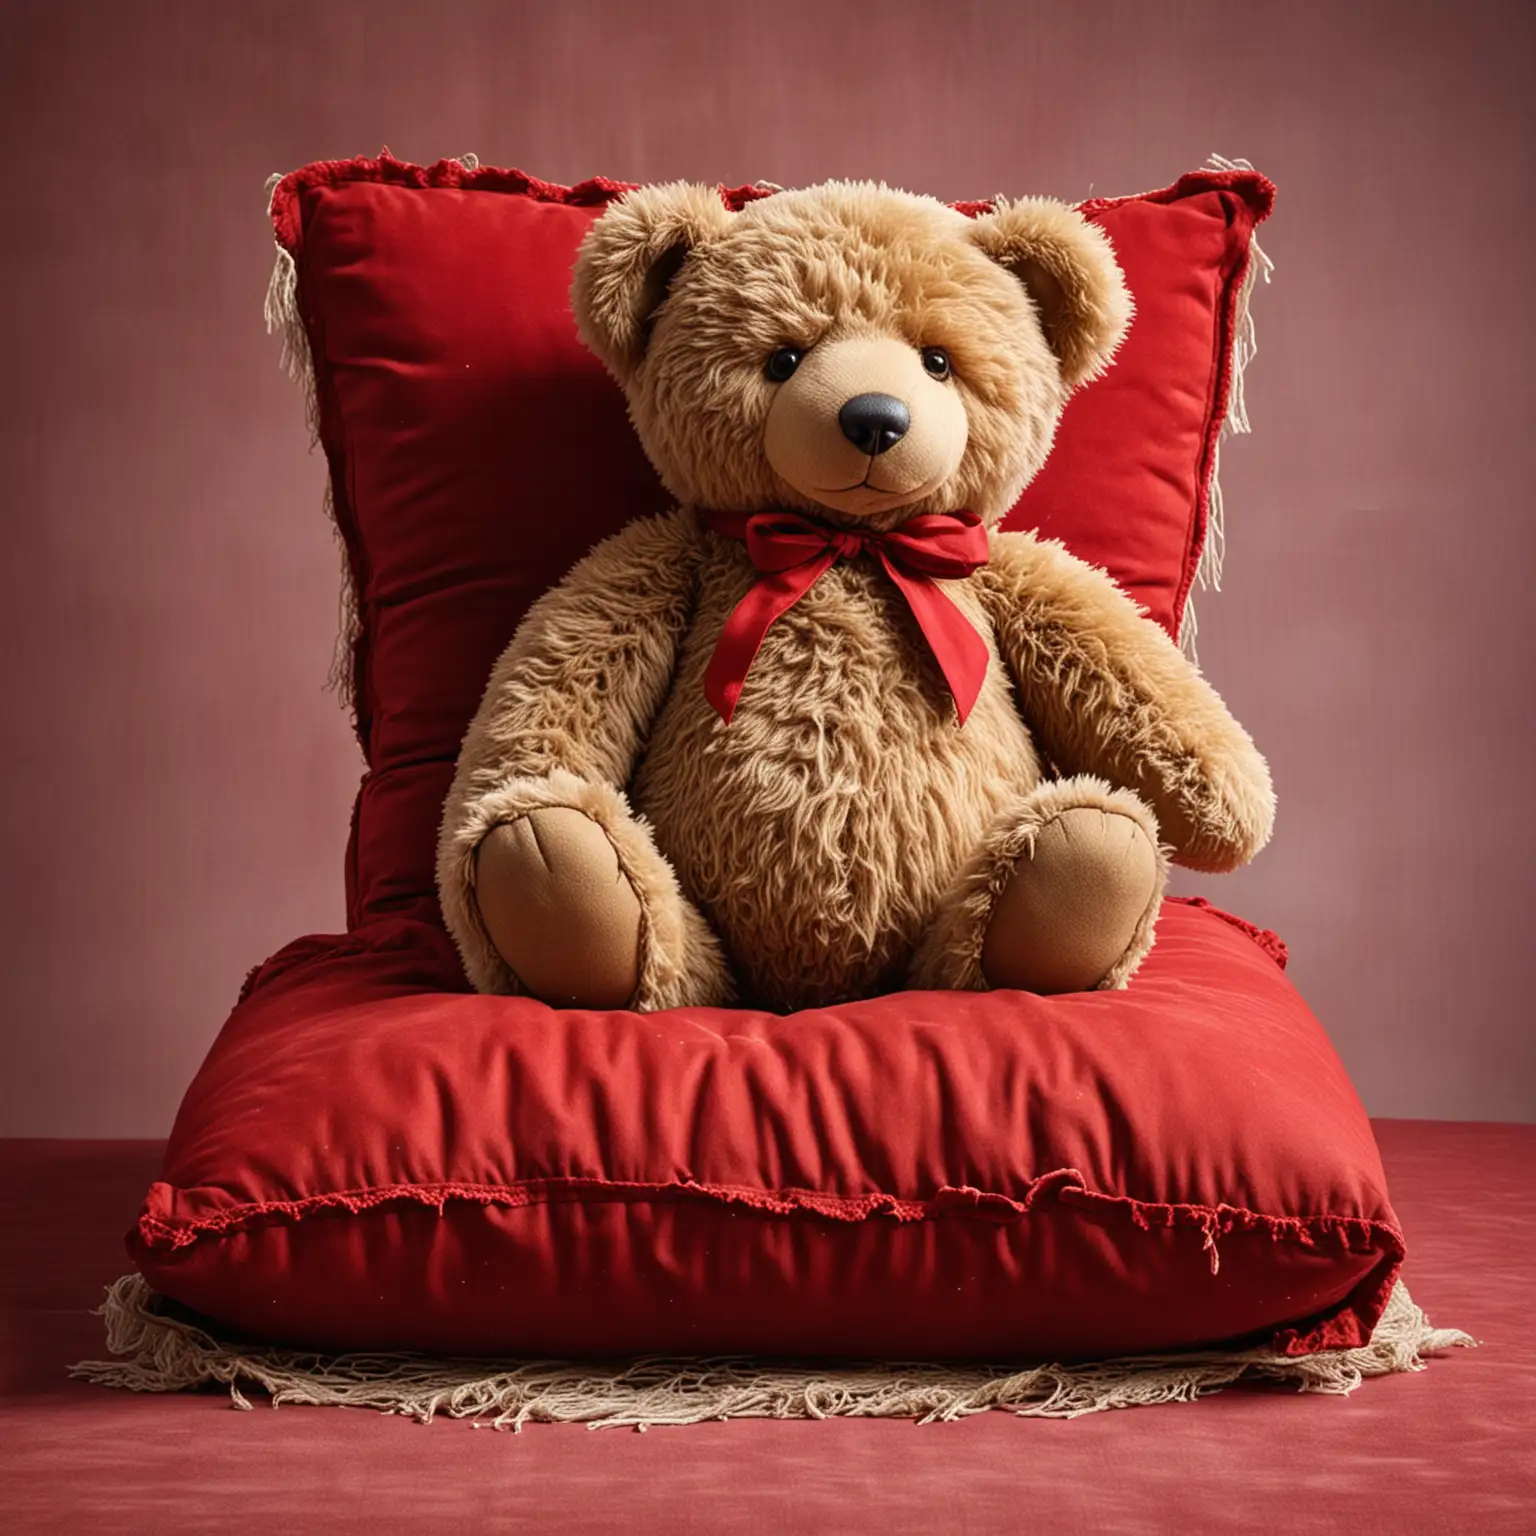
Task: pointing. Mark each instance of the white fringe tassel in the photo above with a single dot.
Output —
(1245, 347)
(158, 1352)
(281, 313)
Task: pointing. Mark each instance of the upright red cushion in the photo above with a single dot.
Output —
(477, 450)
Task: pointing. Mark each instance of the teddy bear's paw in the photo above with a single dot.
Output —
(560, 909)
(1076, 912)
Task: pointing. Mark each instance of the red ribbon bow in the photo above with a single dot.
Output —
(791, 551)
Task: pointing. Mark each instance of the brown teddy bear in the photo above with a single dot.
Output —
(820, 732)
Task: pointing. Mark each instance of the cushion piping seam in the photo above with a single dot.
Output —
(1213, 1220)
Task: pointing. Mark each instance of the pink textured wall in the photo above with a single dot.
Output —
(176, 782)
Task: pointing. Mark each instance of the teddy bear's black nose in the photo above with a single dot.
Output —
(873, 423)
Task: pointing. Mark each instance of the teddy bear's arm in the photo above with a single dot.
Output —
(582, 680)
(1107, 692)
(540, 785)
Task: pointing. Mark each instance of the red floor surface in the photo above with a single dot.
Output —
(1452, 1449)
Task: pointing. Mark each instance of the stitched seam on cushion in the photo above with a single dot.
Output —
(1215, 412)
(158, 1235)
(1266, 938)
(336, 443)
(1257, 190)
(452, 175)
(386, 169)
(1217, 402)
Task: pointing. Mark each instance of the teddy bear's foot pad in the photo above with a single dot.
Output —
(1075, 905)
(559, 908)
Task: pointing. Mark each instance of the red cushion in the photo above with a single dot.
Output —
(369, 1159)
(477, 450)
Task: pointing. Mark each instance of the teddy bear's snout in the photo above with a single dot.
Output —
(864, 427)
(874, 423)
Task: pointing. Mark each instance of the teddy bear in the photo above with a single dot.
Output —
(823, 730)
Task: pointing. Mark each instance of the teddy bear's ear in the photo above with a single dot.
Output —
(629, 259)
(1069, 268)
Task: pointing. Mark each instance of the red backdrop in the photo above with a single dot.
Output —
(176, 782)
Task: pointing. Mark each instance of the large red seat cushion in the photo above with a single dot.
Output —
(477, 450)
(371, 1159)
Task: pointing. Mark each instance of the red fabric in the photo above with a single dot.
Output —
(793, 552)
(477, 450)
(1266, 938)
(369, 1159)
(1127, 486)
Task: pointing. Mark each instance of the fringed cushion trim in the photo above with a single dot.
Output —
(465, 173)
(156, 1350)
(162, 1233)
(162, 1229)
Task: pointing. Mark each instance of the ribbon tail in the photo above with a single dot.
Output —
(741, 636)
(960, 652)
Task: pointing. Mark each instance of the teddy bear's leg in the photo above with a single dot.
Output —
(553, 888)
(558, 908)
(1061, 896)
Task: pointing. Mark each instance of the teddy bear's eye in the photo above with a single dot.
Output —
(783, 363)
(936, 361)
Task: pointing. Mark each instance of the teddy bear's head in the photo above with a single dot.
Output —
(857, 353)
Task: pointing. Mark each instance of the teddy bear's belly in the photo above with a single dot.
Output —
(818, 831)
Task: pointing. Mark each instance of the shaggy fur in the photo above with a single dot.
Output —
(830, 263)
(844, 835)
(1108, 692)
(562, 722)
(1060, 259)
